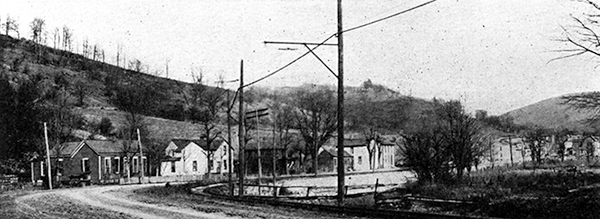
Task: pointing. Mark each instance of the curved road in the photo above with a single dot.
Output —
(119, 201)
(113, 198)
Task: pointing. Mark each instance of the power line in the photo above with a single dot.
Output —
(290, 63)
(331, 36)
(388, 17)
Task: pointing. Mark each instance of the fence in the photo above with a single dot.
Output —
(311, 191)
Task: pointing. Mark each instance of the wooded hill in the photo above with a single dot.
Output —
(85, 92)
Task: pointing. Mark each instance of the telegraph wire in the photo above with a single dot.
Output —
(388, 17)
(331, 36)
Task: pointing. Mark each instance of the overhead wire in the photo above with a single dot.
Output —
(331, 36)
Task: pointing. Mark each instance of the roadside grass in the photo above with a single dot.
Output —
(511, 193)
(8, 207)
(56, 206)
(8, 194)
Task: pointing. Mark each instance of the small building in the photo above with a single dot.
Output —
(327, 160)
(191, 157)
(379, 153)
(101, 160)
(268, 152)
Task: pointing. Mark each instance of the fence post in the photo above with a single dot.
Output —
(308, 191)
(375, 193)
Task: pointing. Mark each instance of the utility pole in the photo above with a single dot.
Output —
(49, 167)
(340, 106)
(242, 148)
(258, 150)
(511, 150)
(141, 156)
(274, 165)
(229, 157)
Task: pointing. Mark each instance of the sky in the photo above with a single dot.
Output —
(490, 54)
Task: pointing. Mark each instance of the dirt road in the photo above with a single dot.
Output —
(120, 201)
(100, 202)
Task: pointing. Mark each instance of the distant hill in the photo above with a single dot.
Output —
(550, 113)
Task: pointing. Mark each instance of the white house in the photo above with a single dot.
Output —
(382, 154)
(190, 157)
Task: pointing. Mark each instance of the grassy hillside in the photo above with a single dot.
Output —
(550, 113)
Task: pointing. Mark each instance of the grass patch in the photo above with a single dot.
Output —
(510, 193)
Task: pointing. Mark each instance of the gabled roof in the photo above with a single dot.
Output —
(333, 152)
(183, 143)
(65, 149)
(98, 146)
(111, 146)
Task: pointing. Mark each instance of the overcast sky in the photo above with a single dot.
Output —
(490, 54)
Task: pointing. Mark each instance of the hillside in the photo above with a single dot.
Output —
(550, 113)
(92, 85)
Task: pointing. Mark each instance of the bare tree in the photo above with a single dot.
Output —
(119, 51)
(582, 35)
(283, 118)
(137, 66)
(67, 38)
(56, 37)
(371, 136)
(462, 133)
(11, 25)
(37, 30)
(536, 139)
(316, 119)
(443, 142)
(85, 46)
(204, 108)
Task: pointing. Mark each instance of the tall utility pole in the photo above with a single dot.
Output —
(258, 151)
(49, 167)
(229, 157)
(241, 131)
(340, 110)
(274, 165)
(141, 156)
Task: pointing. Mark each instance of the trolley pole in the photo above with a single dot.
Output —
(241, 132)
(340, 108)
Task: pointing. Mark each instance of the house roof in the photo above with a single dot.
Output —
(183, 143)
(65, 149)
(252, 145)
(98, 146)
(333, 152)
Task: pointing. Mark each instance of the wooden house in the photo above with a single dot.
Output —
(327, 160)
(99, 160)
(191, 157)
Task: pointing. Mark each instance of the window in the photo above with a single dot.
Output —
(195, 166)
(59, 166)
(359, 160)
(116, 165)
(85, 164)
(225, 164)
(172, 166)
(144, 164)
(42, 169)
(107, 165)
(135, 165)
(335, 162)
